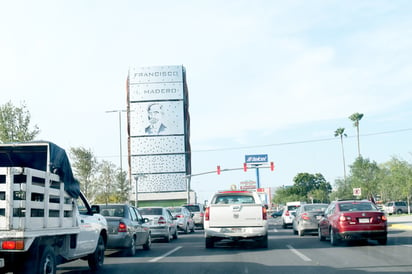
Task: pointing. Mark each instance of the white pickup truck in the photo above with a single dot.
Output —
(44, 218)
(235, 215)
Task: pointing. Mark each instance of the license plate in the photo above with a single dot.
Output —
(1, 262)
(318, 217)
(364, 220)
(231, 230)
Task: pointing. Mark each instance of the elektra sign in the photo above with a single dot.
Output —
(258, 158)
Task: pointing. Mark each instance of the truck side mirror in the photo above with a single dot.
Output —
(95, 209)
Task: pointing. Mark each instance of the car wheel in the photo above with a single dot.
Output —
(294, 232)
(209, 242)
(301, 232)
(167, 238)
(283, 225)
(186, 230)
(175, 235)
(321, 238)
(333, 237)
(148, 244)
(193, 229)
(399, 211)
(383, 241)
(131, 249)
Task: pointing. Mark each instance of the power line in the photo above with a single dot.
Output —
(302, 142)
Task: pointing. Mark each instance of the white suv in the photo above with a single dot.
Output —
(289, 213)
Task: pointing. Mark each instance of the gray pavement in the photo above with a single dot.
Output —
(400, 221)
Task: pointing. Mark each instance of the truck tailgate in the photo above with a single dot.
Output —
(235, 215)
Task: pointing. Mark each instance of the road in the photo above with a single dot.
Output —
(287, 253)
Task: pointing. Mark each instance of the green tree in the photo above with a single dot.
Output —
(355, 118)
(85, 167)
(306, 183)
(341, 133)
(366, 175)
(123, 187)
(15, 124)
(106, 192)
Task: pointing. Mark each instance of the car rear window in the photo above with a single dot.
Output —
(112, 210)
(193, 208)
(150, 211)
(293, 207)
(356, 207)
(234, 199)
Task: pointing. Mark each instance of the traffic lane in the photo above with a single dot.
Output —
(354, 256)
(286, 253)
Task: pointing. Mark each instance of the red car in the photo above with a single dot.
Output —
(353, 220)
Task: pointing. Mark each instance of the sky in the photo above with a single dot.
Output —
(264, 77)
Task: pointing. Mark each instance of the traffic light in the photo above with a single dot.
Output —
(244, 167)
(218, 170)
(272, 166)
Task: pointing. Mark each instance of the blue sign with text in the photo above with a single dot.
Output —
(258, 158)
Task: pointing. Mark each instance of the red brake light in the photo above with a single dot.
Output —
(179, 216)
(207, 214)
(383, 218)
(161, 221)
(305, 216)
(15, 245)
(122, 227)
(201, 214)
(264, 213)
(287, 213)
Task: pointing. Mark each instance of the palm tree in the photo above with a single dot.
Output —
(356, 117)
(341, 132)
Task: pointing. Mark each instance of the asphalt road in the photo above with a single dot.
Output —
(287, 253)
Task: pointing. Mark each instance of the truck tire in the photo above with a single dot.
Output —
(96, 259)
(47, 264)
(263, 243)
(209, 242)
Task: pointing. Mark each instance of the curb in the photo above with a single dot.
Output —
(400, 226)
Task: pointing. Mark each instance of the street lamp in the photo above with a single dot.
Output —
(119, 111)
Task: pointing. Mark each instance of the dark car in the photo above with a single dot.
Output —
(277, 214)
(307, 218)
(353, 220)
(127, 229)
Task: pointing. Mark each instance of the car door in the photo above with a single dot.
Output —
(140, 232)
(324, 222)
(89, 229)
(170, 220)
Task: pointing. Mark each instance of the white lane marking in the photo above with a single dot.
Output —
(301, 255)
(165, 255)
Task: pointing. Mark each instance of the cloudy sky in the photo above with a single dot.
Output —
(264, 77)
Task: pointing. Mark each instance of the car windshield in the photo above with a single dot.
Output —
(175, 210)
(150, 211)
(356, 207)
(293, 207)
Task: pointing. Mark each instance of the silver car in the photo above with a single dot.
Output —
(307, 218)
(184, 218)
(198, 211)
(161, 222)
(127, 229)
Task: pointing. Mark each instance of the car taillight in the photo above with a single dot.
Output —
(305, 216)
(201, 214)
(287, 213)
(344, 218)
(264, 213)
(161, 221)
(122, 227)
(179, 216)
(207, 213)
(383, 218)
